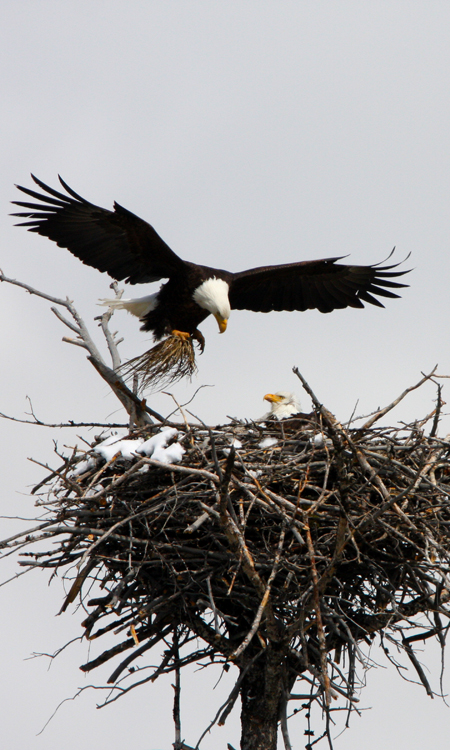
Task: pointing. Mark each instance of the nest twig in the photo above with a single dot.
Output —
(165, 363)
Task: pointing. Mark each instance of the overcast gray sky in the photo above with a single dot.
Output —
(247, 133)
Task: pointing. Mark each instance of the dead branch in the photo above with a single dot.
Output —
(133, 405)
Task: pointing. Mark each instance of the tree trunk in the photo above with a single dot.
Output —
(261, 695)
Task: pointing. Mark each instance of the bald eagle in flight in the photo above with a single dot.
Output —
(126, 247)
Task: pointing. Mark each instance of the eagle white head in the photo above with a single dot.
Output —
(212, 295)
(282, 404)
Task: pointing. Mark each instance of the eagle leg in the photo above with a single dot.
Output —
(196, 335)
(181, 334)
(200, 339)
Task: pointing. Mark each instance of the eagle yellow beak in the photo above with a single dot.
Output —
(273, 398)
(222, 323)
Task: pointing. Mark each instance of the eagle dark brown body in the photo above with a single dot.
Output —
(176, 307)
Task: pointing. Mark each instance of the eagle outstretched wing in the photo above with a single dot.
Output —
(117, 242)
(127, 247)
(315, 284)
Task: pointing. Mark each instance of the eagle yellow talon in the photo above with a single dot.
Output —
(182, 335)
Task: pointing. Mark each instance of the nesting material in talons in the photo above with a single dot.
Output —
(165, 363)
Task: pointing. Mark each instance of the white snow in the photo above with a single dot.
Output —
(158, 441)
(156, 447)
(235, 443)
(114, 445)
(319, 440)
(82, 467)
(170, 455)
(268, 442)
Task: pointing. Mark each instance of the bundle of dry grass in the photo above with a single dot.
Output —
(265, 540)
(165, 363)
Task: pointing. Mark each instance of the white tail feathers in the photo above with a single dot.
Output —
(139, 306)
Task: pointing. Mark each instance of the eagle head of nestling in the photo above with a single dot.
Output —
(212, 295)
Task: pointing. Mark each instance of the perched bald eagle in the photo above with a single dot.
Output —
(285, 414)
(126, 247)
(282, 405)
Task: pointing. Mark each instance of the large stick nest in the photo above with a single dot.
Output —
(317, 539)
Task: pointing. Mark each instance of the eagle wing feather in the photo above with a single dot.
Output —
(117, 242)
(324, 285)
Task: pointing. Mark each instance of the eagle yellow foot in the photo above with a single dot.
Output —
(182, 335)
